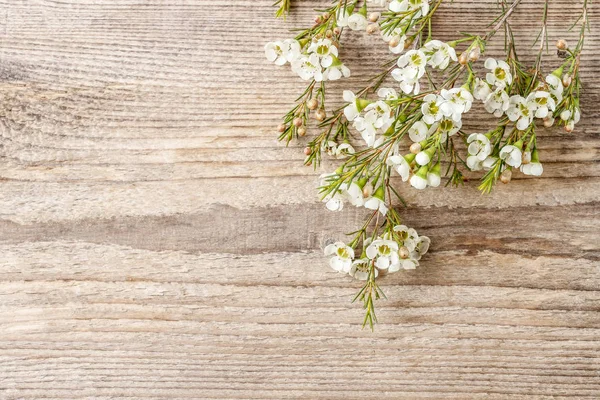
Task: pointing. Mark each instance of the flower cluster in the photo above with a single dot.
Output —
(316, 60)
(413, 127)
(398, 249)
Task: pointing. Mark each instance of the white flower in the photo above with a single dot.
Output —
(354, 107)
(479, 146)
(387, 94)
(421, 247)
(342, 256)
(440, 54)
(355, 192)
(474, 163)
(410, 5)
(489, 163)
(276, 52)
(555, 86)
(419, 180)
(336, 71)
(342, 17)
(534, 167)
(497, 102)
(329, 147)
(433, 176)
(408, 236)
(418, 131)
(567, 114)
(522, 111)
(377, 201)
(411, 67)
(395, 36)
(344, 150)
(459, 100)
(366, 126)
(334, 201)
(360, 269)
(325, 50)
(308, 67)
(481, 90)
(511, 155)
(446, 127)
(357, 22)
(424, 156)
(434, 108)
(385, 254)
(401, 166)
(544, 103)
(500, 73)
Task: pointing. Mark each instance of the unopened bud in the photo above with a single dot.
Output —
(561, 44)
(474, 54)
(298, 121)
(307, 151)
(312, 104)
(566, 80)
(548, 122)
(301, 131)
(337, 31)
(505, 176)
(415, 148)
(526, 157)
(372, 28)
(374, 16)
(320, 114)
(408, 43)
(569, 127)
(395, 41)
(281, 128)
(463, 59)
(404, 253)
(318, 19)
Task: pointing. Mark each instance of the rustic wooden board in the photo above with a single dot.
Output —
(157, 242)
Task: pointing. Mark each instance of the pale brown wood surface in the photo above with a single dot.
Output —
(156, 241)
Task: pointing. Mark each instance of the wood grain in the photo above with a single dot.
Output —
(156, 240)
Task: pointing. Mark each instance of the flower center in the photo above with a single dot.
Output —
(500, 73)
(446, 125)
(322, 50)
(433, 108)
(342, 252)
(384, 250)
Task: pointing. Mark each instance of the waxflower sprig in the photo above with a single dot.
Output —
(410, 132)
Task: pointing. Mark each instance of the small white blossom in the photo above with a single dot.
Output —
(419, 180)
(329, 147)
(489, 163)
(446, 127)
(360, 269)
(434, 108)
(418, 131)
(459, 100)
(534, 166)
(420, 6)
(474, 163)
(497, 102)
(325, 50)
(336, 71)
(521, 110)
(308, 67)
(408, 236)
(411, 67)
(500, 75)
(401, 166)
(481, 90)
(280, 52)
(511, 155)
(344, 150)
(440, 54)
(377, 201)
(544, 103)
(357, 22)
(354, 107)
(479, 146)
(421, 247)
(342, 256)
(342, 17)
(385, 254)
(366, 126)
(387, 94)
(556, 87)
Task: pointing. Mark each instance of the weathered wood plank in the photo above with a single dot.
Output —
(157, 242)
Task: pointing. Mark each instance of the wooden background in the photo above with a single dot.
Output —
(156, 241)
